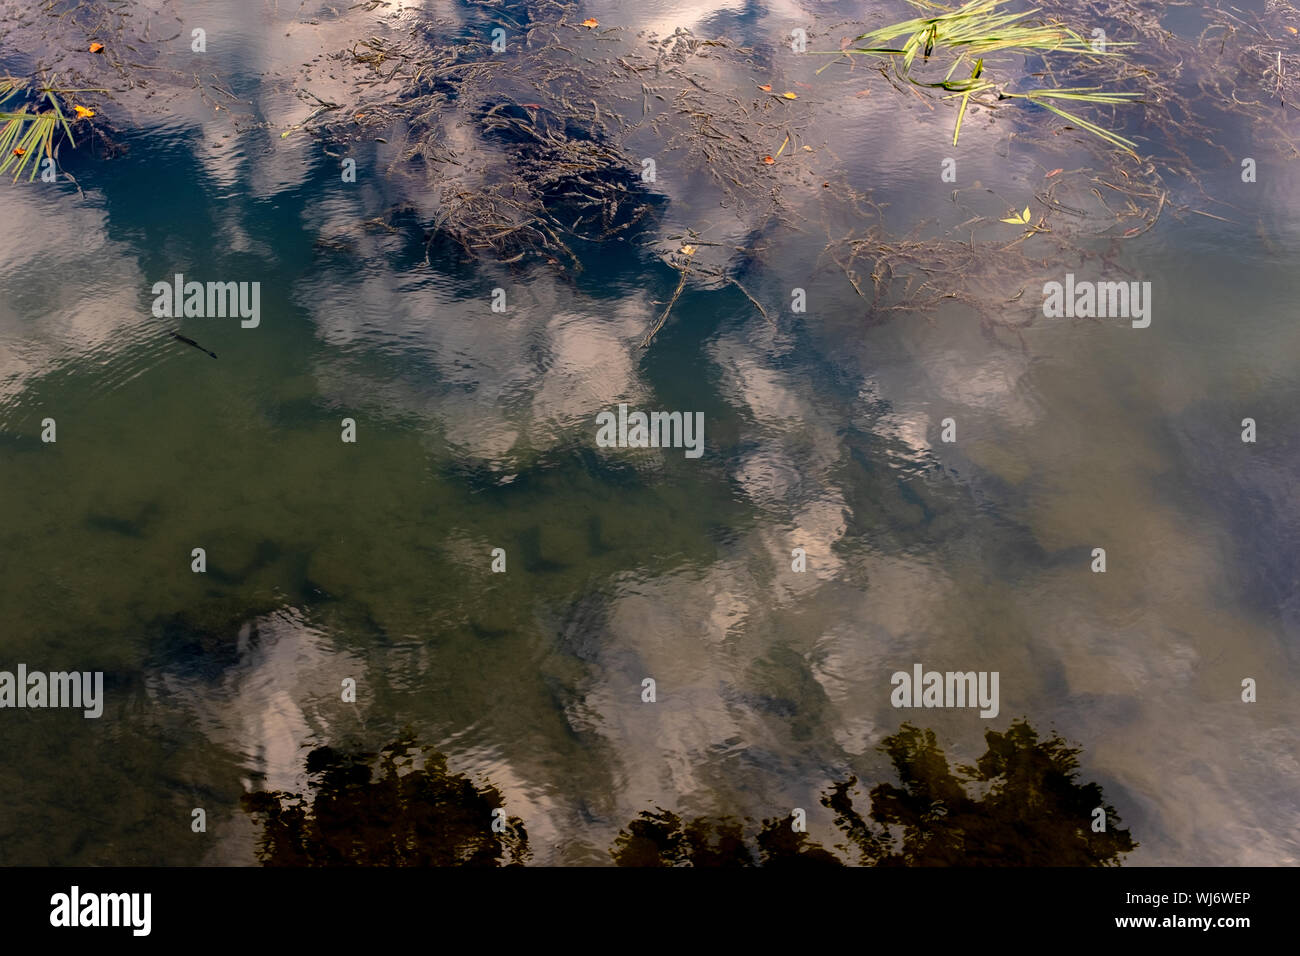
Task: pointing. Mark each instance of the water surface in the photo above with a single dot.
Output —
(476, 430)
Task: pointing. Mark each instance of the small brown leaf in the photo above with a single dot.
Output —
(591, 23)
(766, 87)
(19, 151)
(97, 48)
(768, 161)
(1055, 172)
(1133, 232)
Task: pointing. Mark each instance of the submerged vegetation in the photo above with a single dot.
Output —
(561, 125)
(1021, 804)
(538, 153)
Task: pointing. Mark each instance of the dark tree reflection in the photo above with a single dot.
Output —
(662, 838)
(1020, 805)
(384, 810)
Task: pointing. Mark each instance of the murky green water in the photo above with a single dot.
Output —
(476, 430)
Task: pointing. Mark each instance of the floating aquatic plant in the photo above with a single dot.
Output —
(26, 135)
(972, 33)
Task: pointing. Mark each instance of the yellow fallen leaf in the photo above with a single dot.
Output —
(1291, 30)
(789, 96)
(688, 250)
(1020, 219)
(591, 23)
(82, 112)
